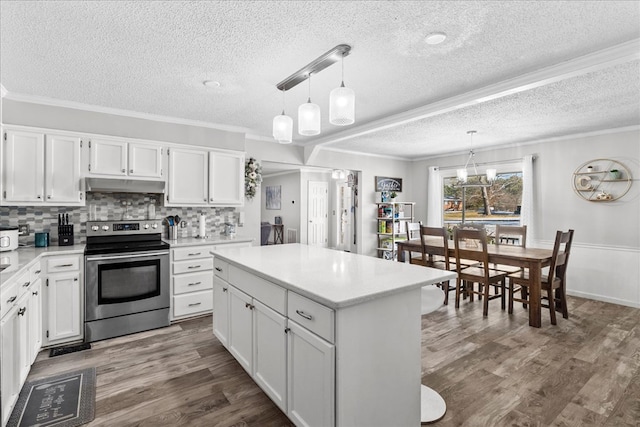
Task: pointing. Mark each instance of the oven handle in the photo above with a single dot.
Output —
(133, 255)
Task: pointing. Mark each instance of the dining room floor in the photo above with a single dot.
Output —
(494, 371)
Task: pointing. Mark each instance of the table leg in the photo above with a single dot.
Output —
(535, 312)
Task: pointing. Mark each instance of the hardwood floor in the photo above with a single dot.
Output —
(494, 371)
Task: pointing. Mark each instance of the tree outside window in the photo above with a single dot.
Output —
(498, 204)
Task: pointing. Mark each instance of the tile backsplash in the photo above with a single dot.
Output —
(109, 207)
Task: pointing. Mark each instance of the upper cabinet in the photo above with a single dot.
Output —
(205, 178)
(41, 169)
(226, 178)
(116, 158)
(188, 177)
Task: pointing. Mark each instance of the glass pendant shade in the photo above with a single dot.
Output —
(342, 106)
(309, 119)
(462, 175)
(283, 128)
(491, 175)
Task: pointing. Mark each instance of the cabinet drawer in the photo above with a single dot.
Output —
(193, 265)
(221, 268)
(35, 271)
(193, 252)
(313, 316)
(264, 291)
(184, 283)
(189, 304)
(59, 264)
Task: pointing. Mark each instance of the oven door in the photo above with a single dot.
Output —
(120, 284)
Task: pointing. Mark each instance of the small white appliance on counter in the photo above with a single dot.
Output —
(8, 238)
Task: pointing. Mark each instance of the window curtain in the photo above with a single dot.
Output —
(434, 197)
(526, 210)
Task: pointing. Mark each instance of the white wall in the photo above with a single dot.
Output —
(606, 249)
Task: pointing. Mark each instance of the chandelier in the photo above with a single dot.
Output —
(463, 174)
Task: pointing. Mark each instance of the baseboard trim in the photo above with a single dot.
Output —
(603, 298)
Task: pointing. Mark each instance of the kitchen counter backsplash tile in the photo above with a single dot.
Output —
(109, 207)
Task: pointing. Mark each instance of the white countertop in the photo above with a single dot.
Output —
(211, 240)
(333, 278)
(24, 255)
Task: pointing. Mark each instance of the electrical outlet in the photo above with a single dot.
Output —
(23, 229)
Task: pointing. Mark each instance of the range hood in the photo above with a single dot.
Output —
(121, 185)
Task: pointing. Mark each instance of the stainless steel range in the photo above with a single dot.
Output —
(126, 278)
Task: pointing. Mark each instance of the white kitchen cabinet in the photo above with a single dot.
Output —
(310, 378)
(107, 157)
(226, 178)
(23, 166)
(64, 316)
(42, 169)
(10, 371)
(270, 353)
(191, 281)
(24, 352)
(221, 311)
(35, 319)
(121, 158)
(241, 328)
(62, 170)
(188, 177)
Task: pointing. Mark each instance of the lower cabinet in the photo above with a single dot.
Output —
(293, 366)
(192, 281)
(63, 314)
(35, 320)
(10, 373)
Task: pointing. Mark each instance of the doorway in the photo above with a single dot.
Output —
(317, 213)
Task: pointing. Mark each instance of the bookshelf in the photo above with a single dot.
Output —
(392, 219)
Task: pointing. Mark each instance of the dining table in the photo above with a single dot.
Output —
(535, 259)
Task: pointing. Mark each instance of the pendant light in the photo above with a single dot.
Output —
(283, 126)
(309, 116)
(342, 104)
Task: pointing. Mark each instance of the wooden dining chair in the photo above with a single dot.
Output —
(554, 283)
(435, 254)
(413, 234)
(472, 245)
(510, 235)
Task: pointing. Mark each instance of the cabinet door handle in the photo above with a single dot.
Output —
(26, 284)
(286, 330)
(12, 299)
(224, 289)
(75, 279)
(194, 283)
(22, 311)
(211, 199)
(34, 293)
(194, 266)
(194, 304)
(49, 196)
(124, 170)
(39, 197)
(249, 306)
(219, 269)
(37, 272)
(304, 315)
(195, 254)
(130, 170)
(63, 265)
(204, 199)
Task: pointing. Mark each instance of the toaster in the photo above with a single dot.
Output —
(8, 238)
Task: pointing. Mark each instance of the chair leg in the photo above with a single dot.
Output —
(503, 295)
(525, 296)
(552, 306)
(445, 288)
(458, 285)
(485, 302)
(510, 311)
(562, 291)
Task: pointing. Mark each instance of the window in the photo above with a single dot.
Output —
(497, 204)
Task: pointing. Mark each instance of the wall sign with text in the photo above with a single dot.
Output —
(384, 183)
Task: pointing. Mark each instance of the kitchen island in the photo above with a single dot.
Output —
(333, 338)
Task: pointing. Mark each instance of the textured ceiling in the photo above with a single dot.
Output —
(152, 57)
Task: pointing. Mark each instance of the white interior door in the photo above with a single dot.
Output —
(318, 197)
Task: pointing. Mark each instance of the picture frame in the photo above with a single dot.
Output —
(273, 197)
(384, 183)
